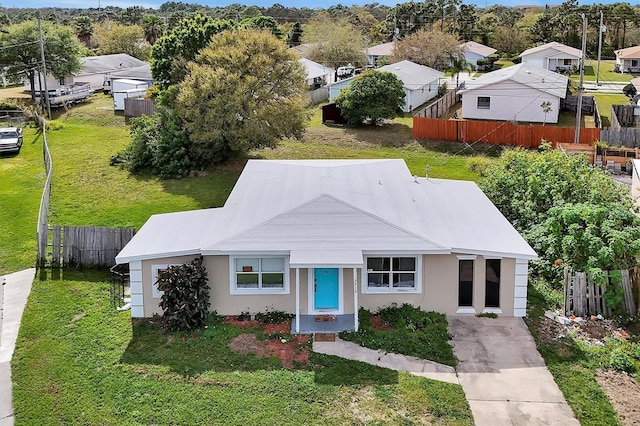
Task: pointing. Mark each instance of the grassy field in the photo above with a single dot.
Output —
(605, 101)
(78, 361)
(21, 180)
(607, 74)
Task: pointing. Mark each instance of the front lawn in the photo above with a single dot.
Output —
(607, 74)
(79, 361)
(605, 101)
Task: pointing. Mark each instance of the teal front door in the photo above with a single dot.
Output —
(325, 288)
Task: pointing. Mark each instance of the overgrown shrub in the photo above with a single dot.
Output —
(620, 360)
(185, 302)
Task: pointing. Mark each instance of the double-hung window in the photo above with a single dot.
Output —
(257, 275)
(156, 270)
(392, 274)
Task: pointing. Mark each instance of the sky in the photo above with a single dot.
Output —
(263, 3)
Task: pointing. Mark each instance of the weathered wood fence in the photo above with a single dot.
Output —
(317, 96)
(136, 107)
(439, 108)
(583, 296)
(623, 116)
(88, 245)
(494, 132)
(570, 103)
(43, 214)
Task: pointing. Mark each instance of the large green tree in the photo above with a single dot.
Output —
(127, 39)
(335, 42)
(153, 27)
(566, 210)
(172, 52)
(20, 51)
(431, 48)
(372, 97)
(243, 91)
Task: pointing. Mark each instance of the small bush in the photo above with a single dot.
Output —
(487, 315)
(621, 361)
(273, 317)
(185, 302)
(480, 165)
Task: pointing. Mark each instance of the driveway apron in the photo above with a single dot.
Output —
(503, 376)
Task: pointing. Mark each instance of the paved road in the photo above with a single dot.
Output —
(503, 376)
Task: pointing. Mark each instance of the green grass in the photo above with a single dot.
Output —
(21, 182)
(78, 361)
(605, 101)
(572, 363)
(607, 75)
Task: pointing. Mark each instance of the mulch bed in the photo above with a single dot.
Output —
(293, 350)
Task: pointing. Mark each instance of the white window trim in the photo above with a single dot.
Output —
(467, 309)
(391, 290)
(483, 107)
(467, 256)
(155, 293)
(253, 291)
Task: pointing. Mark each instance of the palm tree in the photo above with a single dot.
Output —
(458, 65)
(84, 30)
(546, 108)
(153, 28)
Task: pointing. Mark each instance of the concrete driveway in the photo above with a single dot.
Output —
(503, 376)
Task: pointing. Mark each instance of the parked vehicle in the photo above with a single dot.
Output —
(10, 139)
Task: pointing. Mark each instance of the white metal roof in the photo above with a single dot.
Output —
(555, 49)
(324, 206)
(108, 63)
(477, 48)
(412, 75)
(315, 69)
(528, 75)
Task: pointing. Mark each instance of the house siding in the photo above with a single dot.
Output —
(472, 58)
(510, 101)
(549, 59)
(439, 288)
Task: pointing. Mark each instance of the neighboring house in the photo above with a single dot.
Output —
(514, 94)
(93, 71)
(420, 83)
(375, 53)
(326, 237)
(317, 74)
(553, 56)
(473, 51)
(628, 60)
(302, 50)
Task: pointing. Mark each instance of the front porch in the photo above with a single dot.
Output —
(310, 325)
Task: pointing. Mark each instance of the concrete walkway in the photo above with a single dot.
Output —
(415, 366)
(13, 298)
(503, 376)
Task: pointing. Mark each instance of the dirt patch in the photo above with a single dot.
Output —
(293, 351)
(378, 324)
(624, 393)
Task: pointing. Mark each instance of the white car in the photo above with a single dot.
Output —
(10, 139)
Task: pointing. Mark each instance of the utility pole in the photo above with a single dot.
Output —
(581, 87)
(44, 71)
(599, 48)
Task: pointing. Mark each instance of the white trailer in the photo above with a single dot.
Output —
(122, 84)
(120, 96)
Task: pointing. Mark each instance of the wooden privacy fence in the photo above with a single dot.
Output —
(583, 296)
(494, 132)
(440, 107)
(622, 115)
(43, 213)
(136, 107)
(88, 245)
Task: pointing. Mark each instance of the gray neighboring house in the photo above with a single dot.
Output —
(374, 53)
(93, 71)
(420, 83)
(473, 51)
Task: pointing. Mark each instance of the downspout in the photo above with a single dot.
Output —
(355, 299)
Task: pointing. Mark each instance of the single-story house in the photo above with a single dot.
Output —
(93, 71)
(374, 53)
(515, 94)
(317, 74)
(326, 237)
(302, 50)
(628, 59)
(473, 51)
(420, 83)
(553, 56)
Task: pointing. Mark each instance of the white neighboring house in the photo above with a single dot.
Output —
(317, 74)
(93, 71)
(473, 51)
(514, 94)
(374, 53)
(628, 59)
(420, 83)
(552, 56)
